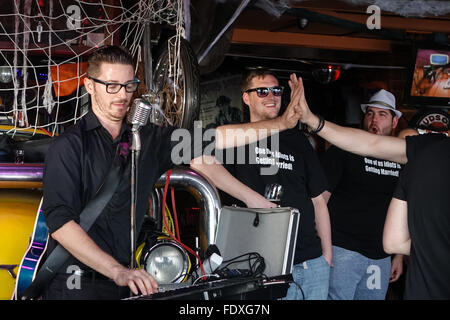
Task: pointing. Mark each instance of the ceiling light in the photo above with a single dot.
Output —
(326, 74)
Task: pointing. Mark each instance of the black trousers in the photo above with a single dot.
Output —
(92, 287)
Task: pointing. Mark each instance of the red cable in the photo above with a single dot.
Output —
(175, 214)
(202, 270)
(48, 133)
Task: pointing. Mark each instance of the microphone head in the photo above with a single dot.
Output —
(139, 113)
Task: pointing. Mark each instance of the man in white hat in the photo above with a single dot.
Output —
(418, 218)
(377, 119)
(360, 189)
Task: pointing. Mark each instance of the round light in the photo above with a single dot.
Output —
(5, 74)
(167, 262)
(326, 74)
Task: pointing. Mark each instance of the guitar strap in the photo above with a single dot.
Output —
(87, 218)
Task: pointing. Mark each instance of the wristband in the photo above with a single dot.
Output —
(320, 126)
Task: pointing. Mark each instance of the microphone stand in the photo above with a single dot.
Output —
(135, 149)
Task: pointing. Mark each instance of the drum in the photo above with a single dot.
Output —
(18, 208)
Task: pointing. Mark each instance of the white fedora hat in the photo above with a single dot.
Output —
(382, 99)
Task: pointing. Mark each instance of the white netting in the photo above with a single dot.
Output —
(43, 49)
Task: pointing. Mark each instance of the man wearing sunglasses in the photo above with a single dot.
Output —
(299, 173)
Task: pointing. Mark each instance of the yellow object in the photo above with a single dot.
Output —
(139, 254)
(26, 131)
(169, 222)
(18, 210)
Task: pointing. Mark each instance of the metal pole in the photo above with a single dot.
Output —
(135, 148)
(148, 65)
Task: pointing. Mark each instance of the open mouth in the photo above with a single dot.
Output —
(373, 130)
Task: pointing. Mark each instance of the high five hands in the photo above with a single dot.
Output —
(297, 106)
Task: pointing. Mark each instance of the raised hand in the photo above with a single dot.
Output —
(305, 114)
(291, 115)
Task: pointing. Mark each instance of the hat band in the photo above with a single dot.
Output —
(382, 103)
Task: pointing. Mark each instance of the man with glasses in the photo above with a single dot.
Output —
(75, 166)
(286, 159)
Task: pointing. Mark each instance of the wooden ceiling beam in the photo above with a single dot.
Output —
(327, 4)
(396, 22)
(261, 37)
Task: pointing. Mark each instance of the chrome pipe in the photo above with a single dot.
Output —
(206, 195)
(199, 186)
(21, 172)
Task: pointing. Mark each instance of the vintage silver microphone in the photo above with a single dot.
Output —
(138, 117)
(139, 113)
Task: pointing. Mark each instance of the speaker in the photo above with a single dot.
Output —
(271, 232)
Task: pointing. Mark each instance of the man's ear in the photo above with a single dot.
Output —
(394, 122)
(89, 85)
(245, 98)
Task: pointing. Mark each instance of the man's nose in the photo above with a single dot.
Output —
(122, 92)
(271, 95)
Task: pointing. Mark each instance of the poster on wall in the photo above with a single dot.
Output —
(221, 101)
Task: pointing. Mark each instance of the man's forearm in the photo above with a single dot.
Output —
(235, 135)
(323, 225)
(361, 142)
(75, 240)
(225, 181)
(396, 237)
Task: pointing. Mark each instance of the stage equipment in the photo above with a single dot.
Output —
(167, 262)
(273, 238)
(204, 193)
(137, 117)
(259, 288)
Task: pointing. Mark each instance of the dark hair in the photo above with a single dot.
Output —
(107, 54)
(255, 73)
(393, 114)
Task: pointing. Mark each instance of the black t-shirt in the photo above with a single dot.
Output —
(75, 167)
(424, 184)
(291, 163)
(361, 190)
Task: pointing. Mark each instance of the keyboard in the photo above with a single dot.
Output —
(223, 289)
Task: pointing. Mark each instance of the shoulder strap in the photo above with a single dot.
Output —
(87, 218)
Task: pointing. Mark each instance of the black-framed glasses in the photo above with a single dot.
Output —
(262, 92)
(114, 87)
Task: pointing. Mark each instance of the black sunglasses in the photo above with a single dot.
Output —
(264, 91)
(114, 87)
